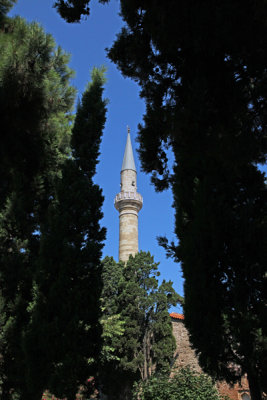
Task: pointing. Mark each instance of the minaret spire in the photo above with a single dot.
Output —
(128, 159)
(128, 202)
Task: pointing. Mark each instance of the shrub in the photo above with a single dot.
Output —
(185, 384)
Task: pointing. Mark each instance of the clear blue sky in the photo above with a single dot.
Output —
(86, 42)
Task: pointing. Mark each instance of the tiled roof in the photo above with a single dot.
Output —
(176, 315)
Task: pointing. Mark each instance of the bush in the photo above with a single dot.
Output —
(185, 384)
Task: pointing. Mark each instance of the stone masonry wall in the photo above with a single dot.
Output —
(186, 356)
(236, 392)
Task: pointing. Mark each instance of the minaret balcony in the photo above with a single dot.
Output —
(124, 199)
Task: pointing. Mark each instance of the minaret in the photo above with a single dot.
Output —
(128, 202)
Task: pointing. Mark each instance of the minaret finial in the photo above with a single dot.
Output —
(128, 129)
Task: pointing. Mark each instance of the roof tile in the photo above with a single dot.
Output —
(175, 315)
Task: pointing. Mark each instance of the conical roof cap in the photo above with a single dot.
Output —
(128, 159)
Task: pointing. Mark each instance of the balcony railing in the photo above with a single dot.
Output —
(128, 195)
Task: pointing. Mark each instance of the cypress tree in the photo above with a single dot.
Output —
(202, 72)
(50, 209)
(64, 331)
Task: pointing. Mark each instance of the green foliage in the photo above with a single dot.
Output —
(202, 72)
(112, 324)
(90, 118)
(140, 338)
(185, 384)
(50, 210)
(69, 272)
(36, 102)
(73, 10)
(113, 328)
(5, 7)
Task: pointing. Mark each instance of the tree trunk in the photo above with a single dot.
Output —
(254, 386)
(144, 374)
(126, 392)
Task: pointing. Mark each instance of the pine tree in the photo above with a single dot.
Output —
(5, 7)
(36, 101)
(141, 304)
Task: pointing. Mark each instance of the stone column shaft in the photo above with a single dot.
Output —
(128, 204)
